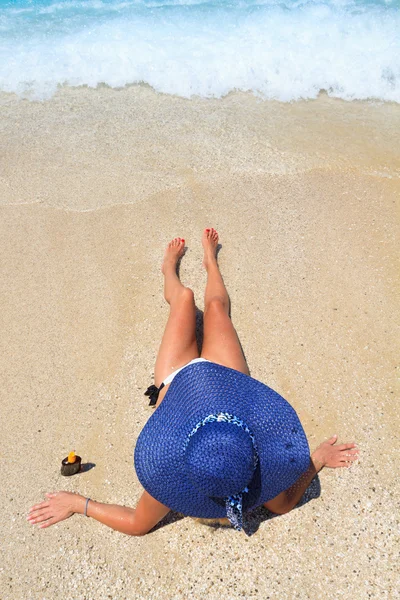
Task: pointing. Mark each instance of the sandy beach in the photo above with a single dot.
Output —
(93, 184)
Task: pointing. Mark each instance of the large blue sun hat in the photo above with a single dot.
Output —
(220, 444)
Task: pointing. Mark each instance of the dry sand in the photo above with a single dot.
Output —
(93, 185)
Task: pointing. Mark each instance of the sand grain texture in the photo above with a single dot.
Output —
(93, 185)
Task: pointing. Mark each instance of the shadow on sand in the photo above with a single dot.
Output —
(252, 520)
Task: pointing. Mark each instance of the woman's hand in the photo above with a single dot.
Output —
(57, 507)
(329, 455)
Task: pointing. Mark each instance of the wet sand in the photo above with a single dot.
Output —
(305, 197)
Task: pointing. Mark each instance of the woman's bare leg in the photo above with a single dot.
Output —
(221, 344)
(178, 345)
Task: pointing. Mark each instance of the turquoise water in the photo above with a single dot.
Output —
(284, 50)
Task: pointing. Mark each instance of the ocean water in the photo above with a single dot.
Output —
(281, 49)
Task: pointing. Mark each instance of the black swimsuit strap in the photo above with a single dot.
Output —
(153, 392)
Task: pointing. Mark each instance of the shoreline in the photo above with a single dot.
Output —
(94, 184)
(239, 133)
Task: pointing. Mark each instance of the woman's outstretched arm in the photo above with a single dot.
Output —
(132, 521)
(326, 455)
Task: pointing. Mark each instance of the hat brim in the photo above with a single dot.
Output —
(207, 388)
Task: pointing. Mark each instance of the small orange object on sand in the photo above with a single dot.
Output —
(71, 464)
(71, 457)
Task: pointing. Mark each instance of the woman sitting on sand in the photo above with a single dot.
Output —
(220, 443)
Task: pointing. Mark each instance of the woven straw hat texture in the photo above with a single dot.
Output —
(175, 472)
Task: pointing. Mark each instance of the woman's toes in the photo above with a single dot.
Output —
(176, 242)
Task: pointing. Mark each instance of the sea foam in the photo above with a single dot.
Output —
(282, 50)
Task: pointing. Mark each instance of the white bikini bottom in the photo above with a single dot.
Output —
(168, 379)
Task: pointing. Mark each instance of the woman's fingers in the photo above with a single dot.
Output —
(43, 516)
(343, 464)
(345, 446)
(44, 504)
(46, 518)
(56, 508)
(347, 459)
(334, 456)
(349, 456)
(40, 511)
(49, 522)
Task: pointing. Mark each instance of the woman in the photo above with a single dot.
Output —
(221, 443)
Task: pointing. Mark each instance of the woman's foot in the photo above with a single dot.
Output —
(210, 244)
(173, 288)
(173, 253)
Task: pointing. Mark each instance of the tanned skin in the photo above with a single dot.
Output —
(178, 347)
